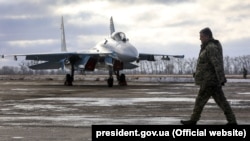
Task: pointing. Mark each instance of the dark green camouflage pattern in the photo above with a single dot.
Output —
(210, 76)
(217, 93)
(210, 68)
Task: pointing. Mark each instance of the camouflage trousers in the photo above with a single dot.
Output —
(217, 93)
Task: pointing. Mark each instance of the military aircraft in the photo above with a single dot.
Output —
(114, 53)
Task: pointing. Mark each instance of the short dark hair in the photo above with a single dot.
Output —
(207, 31)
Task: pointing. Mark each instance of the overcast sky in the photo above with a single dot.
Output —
(155, 26)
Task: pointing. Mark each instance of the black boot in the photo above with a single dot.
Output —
(232, 123)
(188, 122)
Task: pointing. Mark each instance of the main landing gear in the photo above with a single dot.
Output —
(68, 80)
(120, 78)
(110, 81)
(70, 77)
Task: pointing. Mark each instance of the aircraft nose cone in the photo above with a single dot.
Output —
(127, 52)
(131, 53)
(135, 54)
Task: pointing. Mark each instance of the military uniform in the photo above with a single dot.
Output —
(210, 76)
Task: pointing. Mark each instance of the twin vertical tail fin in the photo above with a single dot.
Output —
(63, 41)
(112, 27)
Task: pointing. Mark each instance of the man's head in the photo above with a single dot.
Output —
(205, 35)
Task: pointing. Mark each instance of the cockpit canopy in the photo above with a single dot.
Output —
(119, 36)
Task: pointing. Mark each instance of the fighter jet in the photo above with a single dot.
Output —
(114, 53)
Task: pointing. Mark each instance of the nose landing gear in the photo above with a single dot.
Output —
(120, 78)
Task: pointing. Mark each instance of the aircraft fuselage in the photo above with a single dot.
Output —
(121, 49)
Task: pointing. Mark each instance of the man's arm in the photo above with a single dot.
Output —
(216, 58)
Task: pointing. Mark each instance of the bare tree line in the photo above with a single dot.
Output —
(232, 65)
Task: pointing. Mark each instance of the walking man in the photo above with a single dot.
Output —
(210, 77)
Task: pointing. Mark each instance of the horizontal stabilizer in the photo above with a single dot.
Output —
(46, 65)
(151, 57)
(178, 56)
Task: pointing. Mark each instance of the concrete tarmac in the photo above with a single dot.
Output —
(45, 110)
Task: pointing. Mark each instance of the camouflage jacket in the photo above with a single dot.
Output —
(210, 68)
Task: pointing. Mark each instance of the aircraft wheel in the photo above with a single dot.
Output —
(122, 80)
(68, 81)
(110, 82)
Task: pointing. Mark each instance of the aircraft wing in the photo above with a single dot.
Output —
(151, 57)
(58, 59)
(53, 57)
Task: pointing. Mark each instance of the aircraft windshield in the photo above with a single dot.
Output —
(119, 36)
